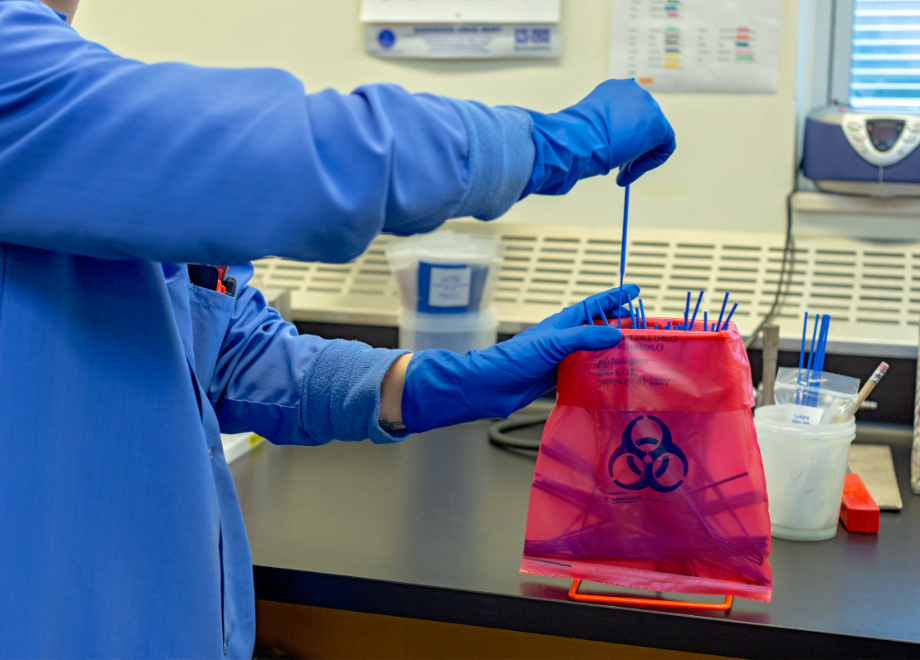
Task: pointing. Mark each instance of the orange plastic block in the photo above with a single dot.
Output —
(858, 511)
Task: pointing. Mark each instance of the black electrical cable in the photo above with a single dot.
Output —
(788, 256)
(499, 436)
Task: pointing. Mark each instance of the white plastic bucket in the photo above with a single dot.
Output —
(805, 467)
(459, 333)
(445, 272)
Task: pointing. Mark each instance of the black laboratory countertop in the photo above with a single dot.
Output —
(433, 528)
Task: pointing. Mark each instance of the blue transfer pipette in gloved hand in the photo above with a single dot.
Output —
(618, 125)
(444, 388)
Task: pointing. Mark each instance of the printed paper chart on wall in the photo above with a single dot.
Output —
(717, 46)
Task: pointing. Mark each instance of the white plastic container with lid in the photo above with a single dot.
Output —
(446, 281)
(805, 467)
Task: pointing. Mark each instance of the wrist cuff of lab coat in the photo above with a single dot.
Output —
(501, 158)
(340, 396)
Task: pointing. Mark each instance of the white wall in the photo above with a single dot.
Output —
(732, 169)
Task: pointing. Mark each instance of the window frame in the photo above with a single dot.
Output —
(841, 51)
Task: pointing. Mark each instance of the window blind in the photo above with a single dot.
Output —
(885, 55)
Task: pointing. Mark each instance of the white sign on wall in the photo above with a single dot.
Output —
(461, 29)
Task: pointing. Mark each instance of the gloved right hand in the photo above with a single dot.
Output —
(619, 124)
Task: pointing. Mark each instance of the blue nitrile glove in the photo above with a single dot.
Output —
(444, 388)
(619, 124)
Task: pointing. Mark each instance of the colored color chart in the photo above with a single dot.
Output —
(672, 48)
(743, 50)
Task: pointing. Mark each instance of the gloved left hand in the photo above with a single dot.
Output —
(444, 388)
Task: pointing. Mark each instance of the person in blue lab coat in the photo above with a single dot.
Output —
(120, 530)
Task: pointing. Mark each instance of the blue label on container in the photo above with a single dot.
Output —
(450, 288)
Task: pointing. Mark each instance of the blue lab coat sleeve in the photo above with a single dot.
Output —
(291, 388)
(108, 157)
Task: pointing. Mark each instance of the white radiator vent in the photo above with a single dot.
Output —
(871, 291)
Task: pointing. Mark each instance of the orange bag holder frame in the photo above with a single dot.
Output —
(647, 602)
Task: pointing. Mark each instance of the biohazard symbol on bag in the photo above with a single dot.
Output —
(652, 459)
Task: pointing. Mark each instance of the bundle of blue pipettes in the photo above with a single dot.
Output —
(638, 314)
(638, 317)
(811, 369)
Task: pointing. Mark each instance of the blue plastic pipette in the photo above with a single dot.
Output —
(603, 313)
(724, 302)
(815, 379)
(705, 321)
(814, 335)
(811, 360)
(623, 250)
(734, 307)
(687, 311)
(822, 344)
(642, 312)
(696, 309)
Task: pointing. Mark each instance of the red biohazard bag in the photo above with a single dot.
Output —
(649, 474)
